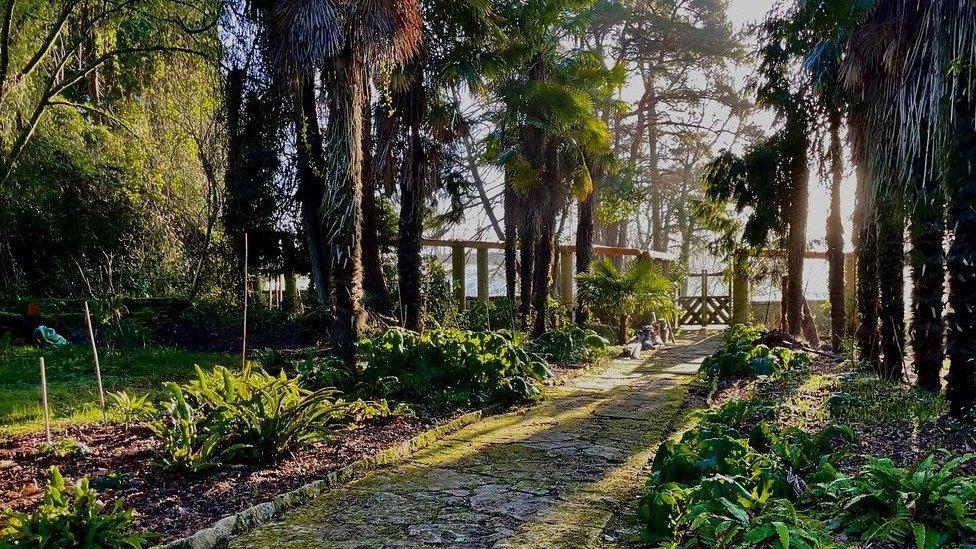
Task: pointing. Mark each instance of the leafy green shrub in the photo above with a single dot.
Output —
(927, 504)
(63, 448)
(440, 307)
(736, 413)
(191, 439)
(866, 397)
(131, 408)
(319, 372)
(71, 518)
(223, 415)
(569, 345)
(715, 484)
(484, 316)
(455, 366)
(748, 521)
(638, 288)
(741, 358)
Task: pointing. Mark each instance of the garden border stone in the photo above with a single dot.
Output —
(220, 532)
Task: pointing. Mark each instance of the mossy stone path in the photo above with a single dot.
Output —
(549, 476)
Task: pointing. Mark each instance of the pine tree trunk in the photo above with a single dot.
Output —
(412, 215)
(961, 259)
(310, 163)
(891, 283)
(835, 239)
(341, 211)
(584, 254)
(867, 270)
(741, 298)
(797, 239)
(927, 233)
(373, 282)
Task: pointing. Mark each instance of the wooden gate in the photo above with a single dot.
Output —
(705, 309)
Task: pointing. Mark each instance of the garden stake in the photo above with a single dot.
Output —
(244, 335)
(98, 368)
(47, 414)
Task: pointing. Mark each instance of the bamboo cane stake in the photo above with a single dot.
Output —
(98, 367)
(47, 413)
(244, 335)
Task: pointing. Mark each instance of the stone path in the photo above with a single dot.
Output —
(549, 476)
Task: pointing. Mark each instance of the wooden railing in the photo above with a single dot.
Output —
(565, 265)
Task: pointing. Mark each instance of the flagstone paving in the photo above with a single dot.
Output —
(548, 476)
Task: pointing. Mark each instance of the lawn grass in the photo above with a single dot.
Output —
(72, 390)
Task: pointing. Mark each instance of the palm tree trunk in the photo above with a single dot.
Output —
(835, 239)
(542, 272)
(891, 283)
(584, 253)
(797, 239)
(623, 329)
(511, 239)
(528, 237)
(961, 259)
(927, 233)
(412, 214)
(373, 282)
(867, 271)
(341, 211)
(310, 162)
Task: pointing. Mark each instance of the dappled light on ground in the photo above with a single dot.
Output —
(552, 475)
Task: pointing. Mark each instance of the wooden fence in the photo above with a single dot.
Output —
(565, 265)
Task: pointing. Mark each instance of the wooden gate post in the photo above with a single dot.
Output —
(704, 295)
(482, 267)
(566, 279)
(457, 275)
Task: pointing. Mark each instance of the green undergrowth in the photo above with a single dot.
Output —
(777, 467)
(72, 389)
(225, 416)
(451, 367)
(72, 516)
(740, 358)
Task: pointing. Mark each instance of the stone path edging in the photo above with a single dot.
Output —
(234, 525)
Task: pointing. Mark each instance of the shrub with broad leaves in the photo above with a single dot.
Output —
(741, 358)
(71, 517)
(451, 366)
(224, 416)
(927, 504)
(569, 345)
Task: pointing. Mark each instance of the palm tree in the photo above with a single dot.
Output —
(835, 237)
(927, 233)
(459, 39)
(639, 288)
(960, 181)
(865, 246)
(891, 283)
(584, 252)
(547, 128)
(374, 284)
(344, 40)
